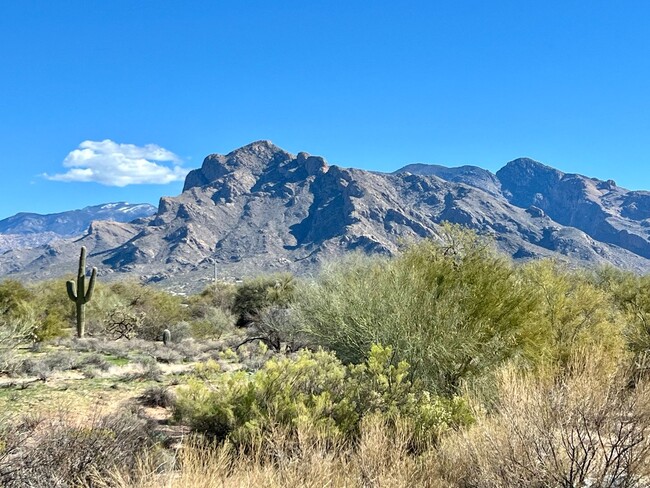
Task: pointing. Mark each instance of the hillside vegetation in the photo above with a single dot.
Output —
(447, 365)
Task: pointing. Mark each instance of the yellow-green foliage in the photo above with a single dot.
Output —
(315, 390)
(220, 295)
(631, 294)
(456, 310)
(158, 308)
(573, 315)
(54, 311)
(209, 312)
(17, 317)
(14, 299)
(452, 311)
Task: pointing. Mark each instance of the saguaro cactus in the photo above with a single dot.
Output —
(166, 337)
(79, 294)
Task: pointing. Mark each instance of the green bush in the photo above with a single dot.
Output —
(18, 320)
(214, 323)
(54, 312)
(14, 299)
(158, 309)
(217, 295)
(279, 328)
(631, 294)
(573, 315)
(256, 294)
(453, 310)
(314, 390)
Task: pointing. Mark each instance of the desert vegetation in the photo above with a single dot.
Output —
(447, 365)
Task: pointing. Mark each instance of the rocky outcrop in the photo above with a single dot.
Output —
(470, 175)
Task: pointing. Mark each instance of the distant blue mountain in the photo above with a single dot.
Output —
(73, 222)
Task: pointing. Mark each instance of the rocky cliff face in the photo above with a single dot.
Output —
(260, 209)
(606, 212)
(470, 175)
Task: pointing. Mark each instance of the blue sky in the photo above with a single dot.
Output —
(155, 86)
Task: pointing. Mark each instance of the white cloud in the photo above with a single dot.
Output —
(113, 164)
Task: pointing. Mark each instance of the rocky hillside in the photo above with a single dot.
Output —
(260, 208)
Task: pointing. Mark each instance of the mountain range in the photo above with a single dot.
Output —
(260, 209)
(25, 230)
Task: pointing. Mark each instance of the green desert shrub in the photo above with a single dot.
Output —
(216, 295)
(53, 311)
(158, 309)
(18, 321)
(278, 328)
(452, 310)
(254, 295)
(14, 299)
(631, 294)
(573, 315)
(212, 324)
(105, 302)
(315, 390)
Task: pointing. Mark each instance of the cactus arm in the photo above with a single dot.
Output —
(72, 290)
(91, 286)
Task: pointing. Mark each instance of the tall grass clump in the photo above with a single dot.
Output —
(583, 426)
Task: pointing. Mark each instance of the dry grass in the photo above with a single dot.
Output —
(585, 427)
(381, 459)
(61, 451)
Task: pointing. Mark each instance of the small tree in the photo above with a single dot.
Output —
(123, 323)
(256, 294)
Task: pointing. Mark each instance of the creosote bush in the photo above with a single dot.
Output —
(315, 389)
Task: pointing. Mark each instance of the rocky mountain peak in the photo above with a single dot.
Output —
(255, 152)
(470, 175)
(252, 159)
(528, 168)
(254, 162)
(523, 180)
(312, 164)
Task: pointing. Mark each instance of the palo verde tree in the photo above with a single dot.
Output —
(78, 292)
(454, 310)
